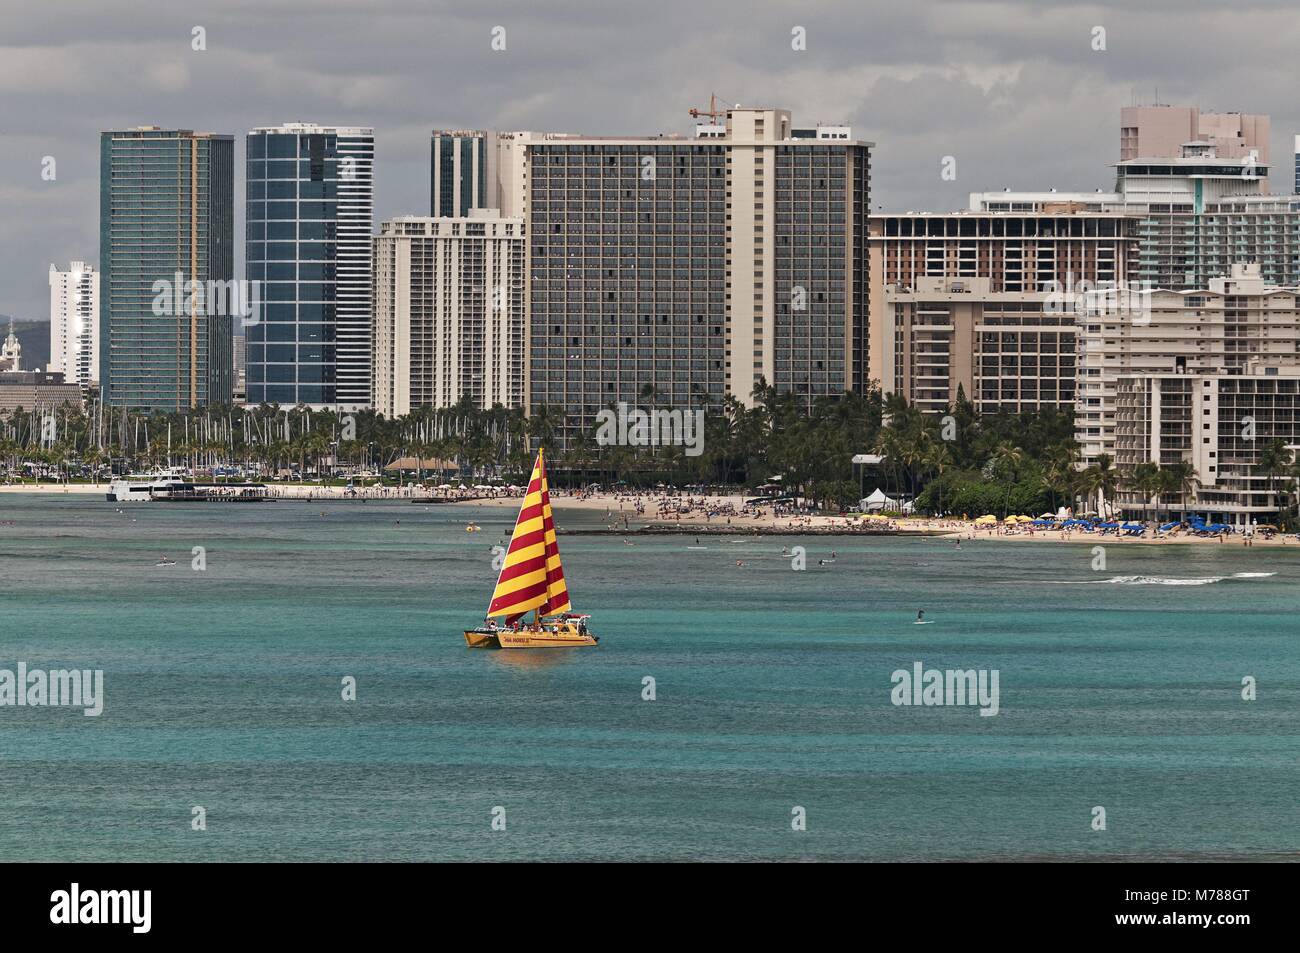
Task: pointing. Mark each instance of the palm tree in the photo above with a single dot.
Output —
(545, 421)
(1103, 480)
(1273, 459)
(1144, 479)
(1060, 472)
(1292, 475)
(936, 458)
(1007, 460)
(1181, 478)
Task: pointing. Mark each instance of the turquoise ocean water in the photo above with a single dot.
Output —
(1119, 688)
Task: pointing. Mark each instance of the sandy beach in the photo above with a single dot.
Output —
(662, 513)
(727, 514)
(50, 489)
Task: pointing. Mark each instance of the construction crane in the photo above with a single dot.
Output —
(713, 112)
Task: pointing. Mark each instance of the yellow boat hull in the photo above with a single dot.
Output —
(547, 637)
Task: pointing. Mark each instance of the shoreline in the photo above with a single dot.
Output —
(728, 519)
(668, 515)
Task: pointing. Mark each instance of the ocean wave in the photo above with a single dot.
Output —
(1163, 580)
(1145, 581)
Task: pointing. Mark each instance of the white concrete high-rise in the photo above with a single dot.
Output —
(449, 313)
(74, 323)
(1236, 324)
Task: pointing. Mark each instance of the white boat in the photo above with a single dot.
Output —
(138, 488)
(173, 486)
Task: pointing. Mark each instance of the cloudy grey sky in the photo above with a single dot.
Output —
(1013, 90)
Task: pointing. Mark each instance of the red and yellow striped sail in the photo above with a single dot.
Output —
(532, 577)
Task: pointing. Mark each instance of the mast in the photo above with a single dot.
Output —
(531, 576)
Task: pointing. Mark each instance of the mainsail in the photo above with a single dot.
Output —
(532, 577)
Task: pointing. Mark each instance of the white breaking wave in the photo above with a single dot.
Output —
(1145, 581)
(1163, 580)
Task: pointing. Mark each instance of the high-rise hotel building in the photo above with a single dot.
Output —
(310, 212)
(1233, 326)
(1220, 423)
(166, 210)
(980, 303)
(699, 267)
(74, 323)
(450, 320)
(1212, 379)
(1195, 214)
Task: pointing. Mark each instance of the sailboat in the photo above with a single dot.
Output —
(532, 579)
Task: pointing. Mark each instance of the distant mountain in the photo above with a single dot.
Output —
(34, 336)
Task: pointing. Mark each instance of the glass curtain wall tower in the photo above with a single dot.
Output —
(166, 219)
(310, 210)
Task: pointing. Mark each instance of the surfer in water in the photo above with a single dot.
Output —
(920, 617)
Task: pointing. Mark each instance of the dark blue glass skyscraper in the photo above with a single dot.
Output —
(309, 216)
(459, 173)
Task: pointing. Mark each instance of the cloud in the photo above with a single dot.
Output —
(1014, 91)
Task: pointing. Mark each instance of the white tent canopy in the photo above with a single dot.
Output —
(878, 501)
